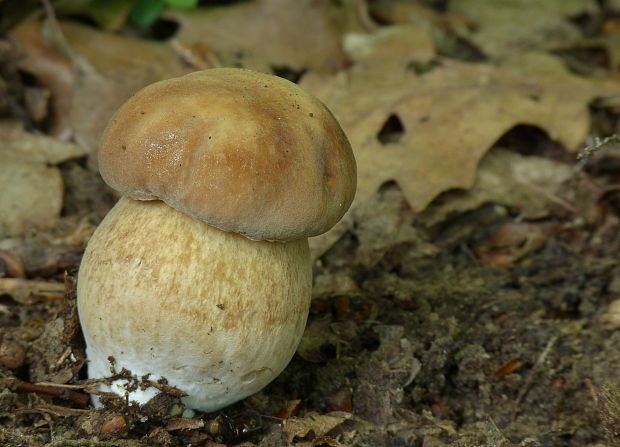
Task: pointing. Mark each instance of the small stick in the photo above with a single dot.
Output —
(14, 265)
(19, 386)
(64, 356)
(530, 378)
(591, 149)
(90, 387)
(54, 410)
(167, 389)
(592, 390)
(14, 286)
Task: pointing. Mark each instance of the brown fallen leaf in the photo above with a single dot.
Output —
(512, 365)
(287, 409)
(100, 73)
(184, 424)
(442, 120)
(31, 189)
(394, 46)
(383, 221)
(114, 426)
(512, 241)
(30, 196)
(44, 257)
(527, 184)
(27, 291)
(515, 26)
(312, 423)
(275, 35)
(11, 265)
(52, 68)
(23, 145)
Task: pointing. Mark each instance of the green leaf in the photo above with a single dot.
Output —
(182, 4)
(145, 12)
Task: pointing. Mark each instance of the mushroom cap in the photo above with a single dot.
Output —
(243, 151)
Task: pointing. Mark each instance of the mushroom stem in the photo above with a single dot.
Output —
(215, 314)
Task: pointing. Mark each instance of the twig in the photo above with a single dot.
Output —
(13, 264)
(89, 387)
(19, 386)
(592, 391)
(548, 195)
(167, 389)
(54, 410)
(22, 289)
(530, 378)
(184, 424)
(591, 149)
(64, 356)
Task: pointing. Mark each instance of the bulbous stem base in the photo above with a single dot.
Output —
(215, 314)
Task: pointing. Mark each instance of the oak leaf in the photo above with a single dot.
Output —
(506, 27)
(444, 120)
(267, 34)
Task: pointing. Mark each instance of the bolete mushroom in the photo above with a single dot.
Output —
(201, 273)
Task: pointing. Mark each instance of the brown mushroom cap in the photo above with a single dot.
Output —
(242, 151)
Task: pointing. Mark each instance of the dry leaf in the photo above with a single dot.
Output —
(101, 72)
(28, 291)
(317, 424)
(395, 46)
(512, 241)
(37, 148)
(267, 34)
(508, 27)
(30, 196)
(40, 256)
(528, 184)
(443, 121)
(30, 189)
(53, 70)
(382, 222)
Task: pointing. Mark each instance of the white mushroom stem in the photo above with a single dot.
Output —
(217, 315)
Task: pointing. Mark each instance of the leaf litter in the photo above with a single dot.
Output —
(470, 296)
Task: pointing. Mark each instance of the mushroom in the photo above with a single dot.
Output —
(201, 274)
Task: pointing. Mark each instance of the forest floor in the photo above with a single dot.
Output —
(477, 304)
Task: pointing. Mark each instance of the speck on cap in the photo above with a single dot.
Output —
(245, 152)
